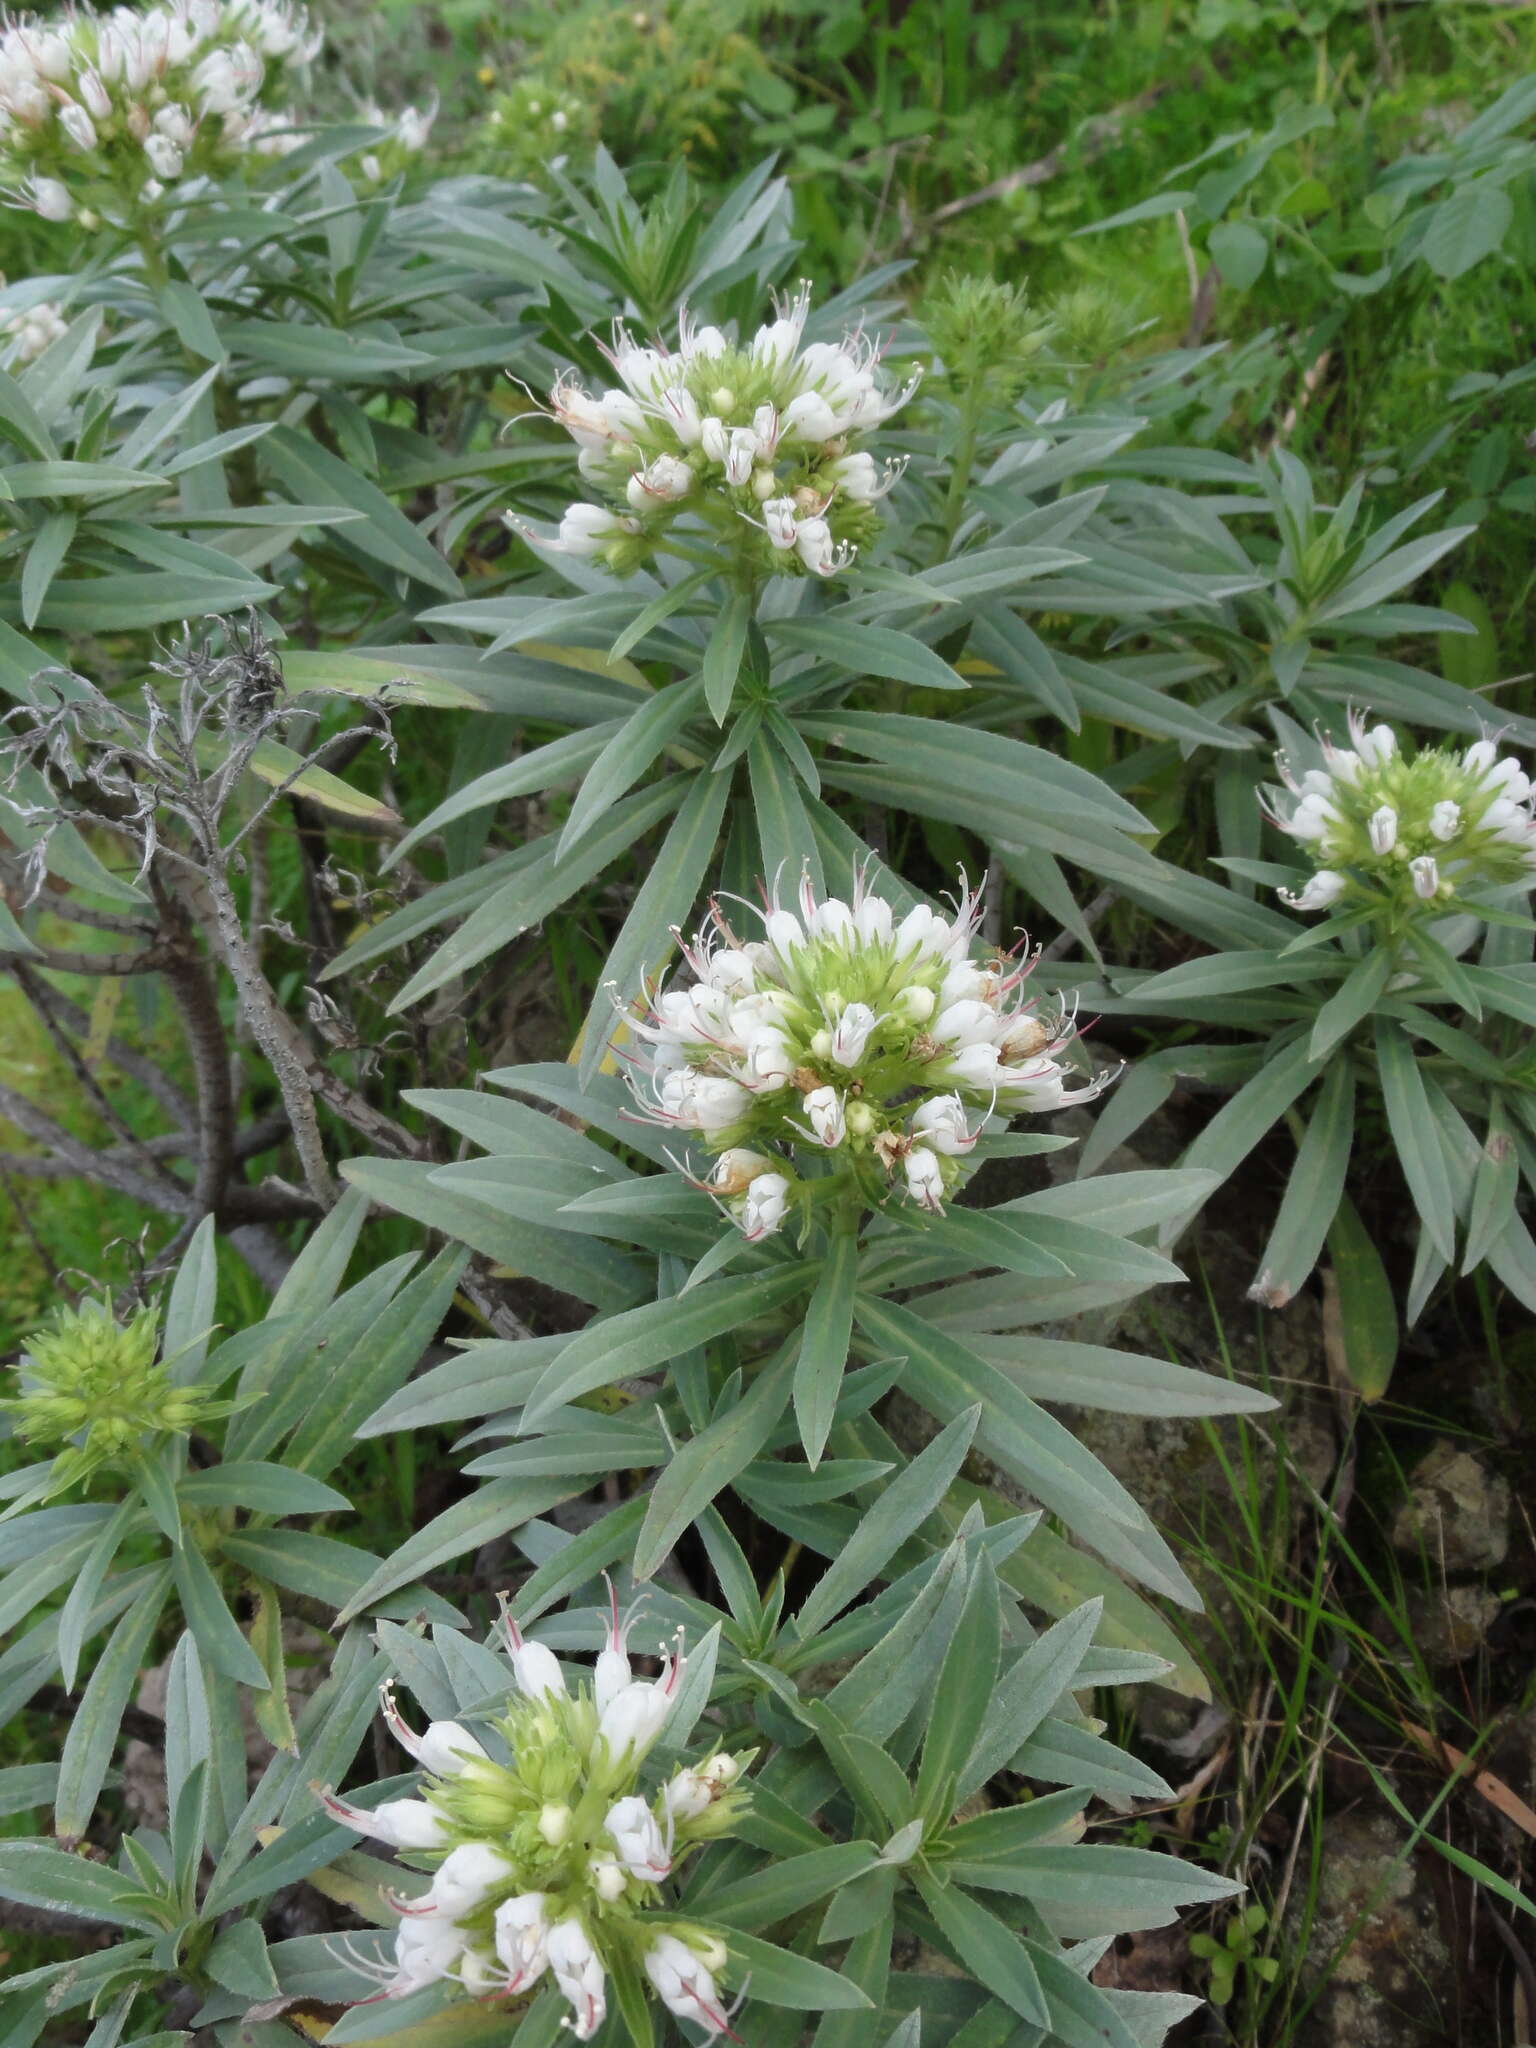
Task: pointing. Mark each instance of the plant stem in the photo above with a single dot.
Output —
(965, 460)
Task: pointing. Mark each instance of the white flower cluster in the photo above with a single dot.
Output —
(102, 110)
(534, 125)
(31, 330)
(877, 1044)
(1381, 826)
(758, 441)
(552, 1863)
(405, 135)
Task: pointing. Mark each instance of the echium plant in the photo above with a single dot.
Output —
(752, 449)
(101, 114)
(875, 1047)
(177, 1474)
(554, 1860)
(1417, 984)
(850, 1069)
(587, 1844)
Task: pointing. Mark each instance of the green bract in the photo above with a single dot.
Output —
(96, 1389)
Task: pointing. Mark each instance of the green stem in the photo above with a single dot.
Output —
(156, 270)
(965, 460)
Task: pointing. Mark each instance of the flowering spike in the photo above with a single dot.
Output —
(542, 1863)
(751, 439)
(881, 1041)
(1384, 829)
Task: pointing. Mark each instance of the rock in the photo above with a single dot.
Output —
(1449, 1623)
(1388, 1989)
(1457, 1512)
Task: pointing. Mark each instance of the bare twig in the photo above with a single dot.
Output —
(35, 992)
(124, 1057)
(123, 1179)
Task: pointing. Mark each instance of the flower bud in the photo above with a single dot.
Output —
(555, 1824)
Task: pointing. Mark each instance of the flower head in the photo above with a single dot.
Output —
(755, 439)
(101, 113)
(552, 1862)
(871, 1044)
(1381, 827)
(94, 1389)
(31, 330)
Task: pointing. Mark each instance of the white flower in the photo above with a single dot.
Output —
(663, 481)
(465, 1879)
(779, 522)
(78, 126)
(707, 1102)
(817, 549)
(535, 1666)
(404, 1823)
(1426, 877)
(824, 1110)
(34, 329)
(48, 197)
(1445, 820)
(413, 125)
(165, 158)
(1383, 829)
(94, 96)
(692, 1792)
(851, 1035)
(860, 479)
(588, 529)
(1375, 745)
(612, 1672)
(809, 418)
(765, 1206)
(1040, 1086)
(444, 1748)
(1322, 889)
(634, 1717)
(426, 1951)
(941, 1124)
(769, 1064)
(578, 1971)
(641, 1847)
(522, 1939)
(684, 1986)
(925, 1178)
